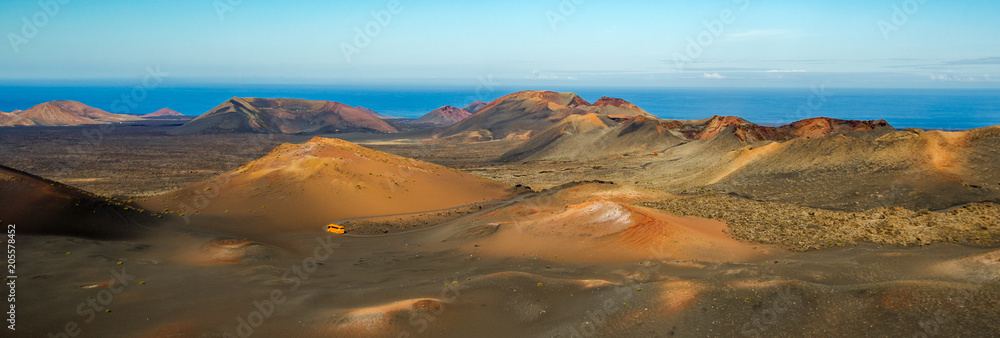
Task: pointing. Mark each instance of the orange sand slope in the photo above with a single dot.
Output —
(595, 223)
(305, 186)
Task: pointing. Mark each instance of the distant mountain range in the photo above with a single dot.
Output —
(62, 113)
(523, 114)
(284, 116)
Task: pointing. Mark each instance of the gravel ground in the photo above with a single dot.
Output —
(804, 228)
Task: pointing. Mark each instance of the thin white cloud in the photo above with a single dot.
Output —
(756, 33)
(537, 74)
(960, 78)
(714, 76)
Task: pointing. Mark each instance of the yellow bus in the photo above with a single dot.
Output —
(334, 228)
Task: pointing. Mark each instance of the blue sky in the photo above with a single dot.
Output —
(743, 43)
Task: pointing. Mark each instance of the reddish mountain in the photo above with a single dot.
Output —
(744, 130)
(444, 116)
(704, 129)
(284, 116)
(70, 113)
(165, 112)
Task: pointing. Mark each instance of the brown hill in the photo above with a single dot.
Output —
(523, 114)
(851, 171)
(283, 116)
(591, 136)
(306, 186)
(12, 120)
(444, 116)
(70, 113)
(475, 107)
(913, 169)
(43, 207)
(165, 112)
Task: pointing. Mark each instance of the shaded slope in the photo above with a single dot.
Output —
(305, 186)
(283, 116)
(43, 207)
(475, 107)
(912, 169)
(591, 136)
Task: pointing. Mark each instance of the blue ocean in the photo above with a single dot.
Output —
(949, 109)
